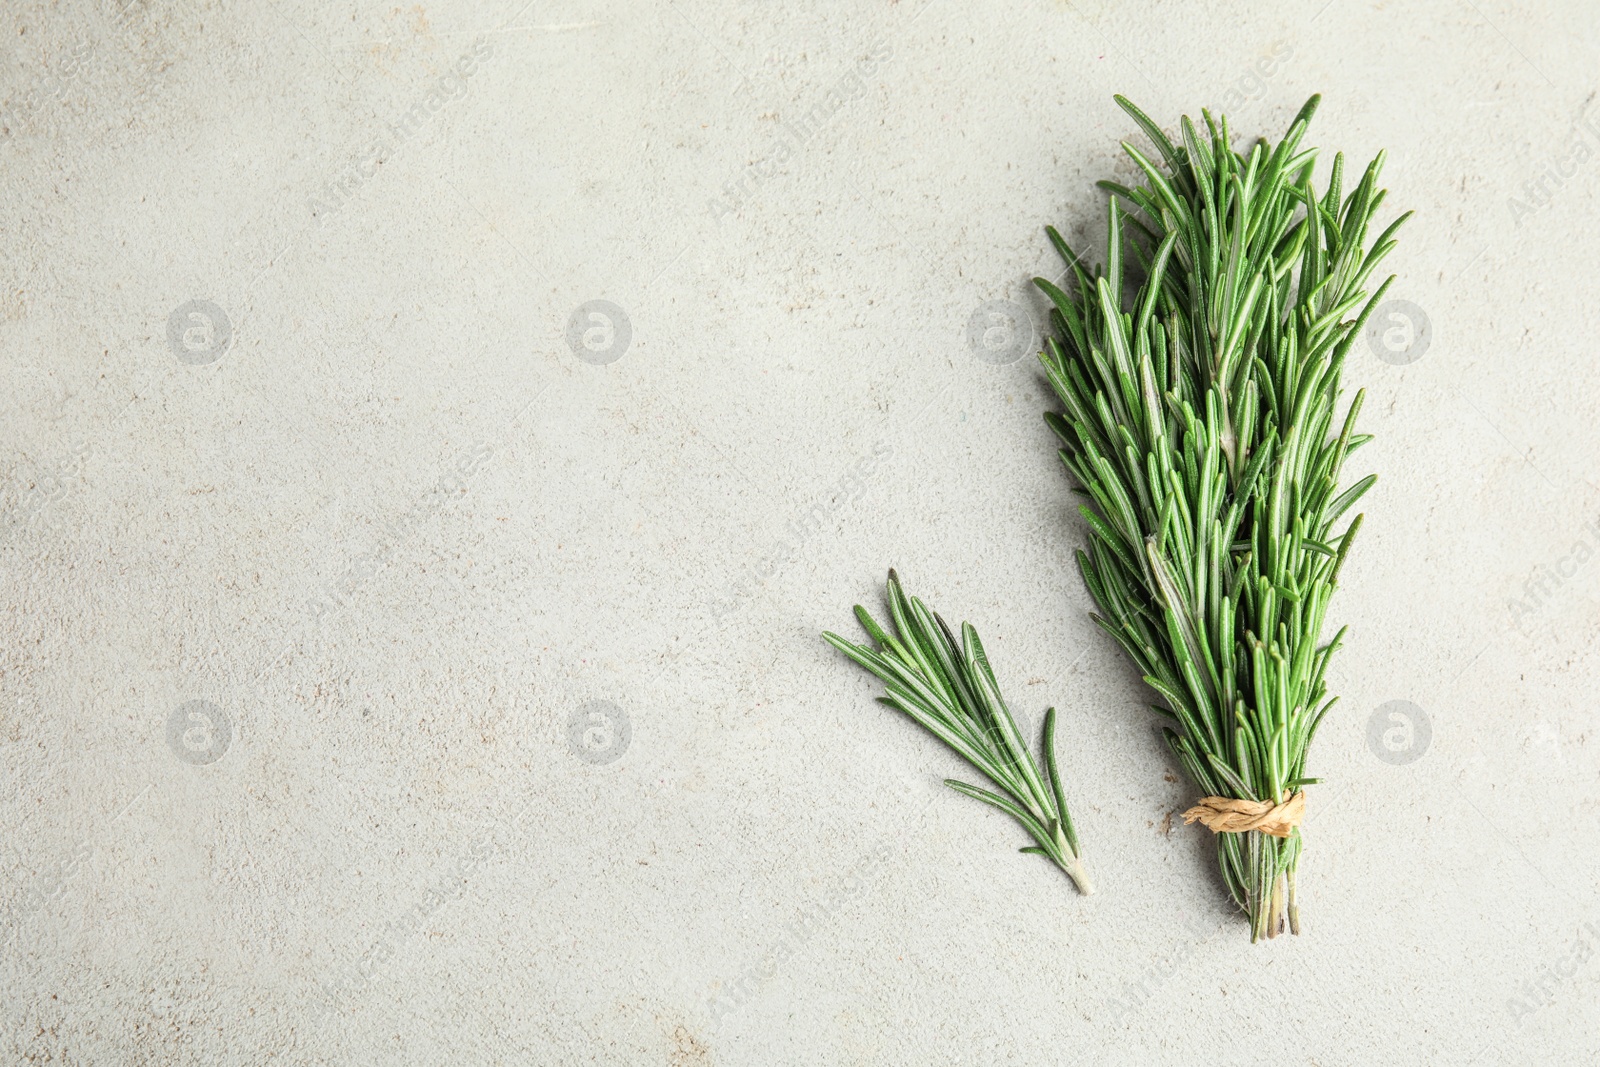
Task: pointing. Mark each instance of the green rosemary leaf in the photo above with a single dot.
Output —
(1347, 498)
(1055, 778)
(871, 626)
(1174, 162)
(1344, 547)
(1031, 824)
(1227, 773)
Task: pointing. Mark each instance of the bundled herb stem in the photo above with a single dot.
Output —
(949, 688)
(1199, 372)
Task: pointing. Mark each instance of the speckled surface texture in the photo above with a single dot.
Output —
(434, 437)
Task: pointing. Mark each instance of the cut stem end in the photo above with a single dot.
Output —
(1078, 873)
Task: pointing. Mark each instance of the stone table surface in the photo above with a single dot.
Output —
(435, 435)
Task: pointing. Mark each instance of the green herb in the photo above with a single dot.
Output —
(949, 688)
(1199, 373)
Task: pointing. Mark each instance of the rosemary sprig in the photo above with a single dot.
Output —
(1199, 371)
(949, 688)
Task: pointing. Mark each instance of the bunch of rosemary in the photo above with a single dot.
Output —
(948, 687)
(1199, 387)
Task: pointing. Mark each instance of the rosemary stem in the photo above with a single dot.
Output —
(1275, 916)
(1079, 874)
(1071, 861)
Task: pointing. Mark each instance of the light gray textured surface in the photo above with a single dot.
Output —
(405, 543)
